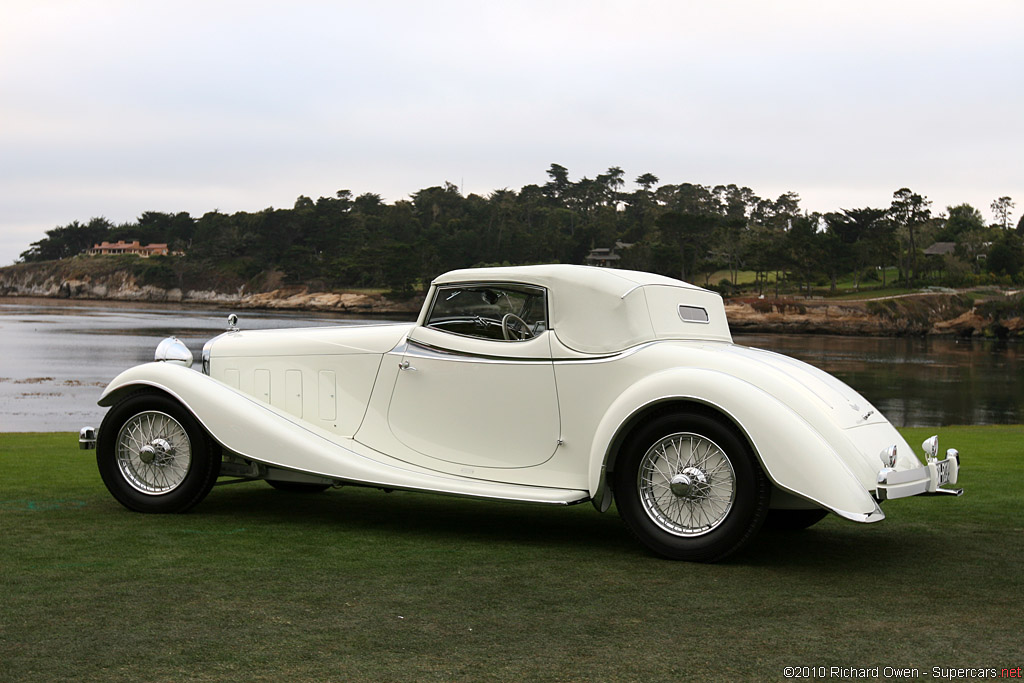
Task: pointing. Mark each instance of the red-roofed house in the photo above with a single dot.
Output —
(133, 247)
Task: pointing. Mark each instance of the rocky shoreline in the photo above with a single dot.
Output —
(122, 286)
(925, 314)
(938, 314)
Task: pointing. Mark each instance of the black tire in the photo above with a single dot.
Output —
(172, 476)
(298, 486)
(793, 520)
(691, 519)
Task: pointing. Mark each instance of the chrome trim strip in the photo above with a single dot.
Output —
(402, 347)
(942, 492)
(865, 518)
(626, 353)
(424, 350)
(448, 354)
(631, 290)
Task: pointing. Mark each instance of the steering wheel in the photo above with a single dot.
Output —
(519, 329)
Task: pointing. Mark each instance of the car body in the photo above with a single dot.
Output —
(552, 384)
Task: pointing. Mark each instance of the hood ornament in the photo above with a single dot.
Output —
(232, 323)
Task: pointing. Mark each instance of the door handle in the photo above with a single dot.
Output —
(404, 365)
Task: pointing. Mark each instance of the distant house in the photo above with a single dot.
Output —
(133, 247)
(940, 249)
(606, 257)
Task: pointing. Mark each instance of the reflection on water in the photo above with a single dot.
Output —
(918, 382)
(57, 356)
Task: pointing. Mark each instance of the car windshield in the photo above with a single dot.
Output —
(506, 313)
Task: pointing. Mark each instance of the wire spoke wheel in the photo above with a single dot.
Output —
(687, 484)
(689, 487)
(153, 452)
(154, 456)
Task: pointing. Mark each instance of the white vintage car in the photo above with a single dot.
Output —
(550, 384)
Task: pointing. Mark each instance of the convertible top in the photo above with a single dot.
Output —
(603, 310)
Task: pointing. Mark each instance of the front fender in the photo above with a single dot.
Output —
(261, 432)
(794, 455)
(238, 421)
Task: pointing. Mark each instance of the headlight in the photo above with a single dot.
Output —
(207, 349)
(888, 456)
(931, 448)
(173, 350)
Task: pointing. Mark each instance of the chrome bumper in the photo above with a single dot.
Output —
(87, 438)
(926, 480)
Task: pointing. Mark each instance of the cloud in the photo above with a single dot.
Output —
(114, 108)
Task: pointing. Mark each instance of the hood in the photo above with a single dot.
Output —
(309, 341)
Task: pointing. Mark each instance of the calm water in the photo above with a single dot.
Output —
(56, 357)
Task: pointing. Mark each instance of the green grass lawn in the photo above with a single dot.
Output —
(355, 584)
(874, 293)
(845, 289)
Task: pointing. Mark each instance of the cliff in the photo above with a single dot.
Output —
(80, 278)
(942, 314)
(939, 314)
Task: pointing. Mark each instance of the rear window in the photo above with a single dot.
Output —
(693, 314)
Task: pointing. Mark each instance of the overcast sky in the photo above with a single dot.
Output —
(113, 108)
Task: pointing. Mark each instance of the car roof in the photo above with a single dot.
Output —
(611, 281)
(604, 310)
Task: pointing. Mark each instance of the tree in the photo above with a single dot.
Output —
(1006, 257)
(910, 211)
(68, 240)
(737, 202)
(646, 181)
(853, 229)
(559, 183)
(689, 233)
(808, 250)
(962, 219)
(966, 226)
(611, 182)
(1003, 210)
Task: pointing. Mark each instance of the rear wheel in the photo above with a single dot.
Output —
(154, 456)
(689, 488)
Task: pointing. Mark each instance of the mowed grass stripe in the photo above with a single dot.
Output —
(357, 584)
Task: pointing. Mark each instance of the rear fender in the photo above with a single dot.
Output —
(793, 454)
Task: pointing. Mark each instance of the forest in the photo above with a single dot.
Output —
(702, 234)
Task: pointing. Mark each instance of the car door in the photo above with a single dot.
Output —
(477, 383)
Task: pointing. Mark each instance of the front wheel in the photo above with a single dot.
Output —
(154, 456)
(689, 488)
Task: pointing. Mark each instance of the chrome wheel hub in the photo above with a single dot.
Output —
(690, 483)
(687, 484)
(153, 452)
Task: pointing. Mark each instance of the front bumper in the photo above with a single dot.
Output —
(926, 480)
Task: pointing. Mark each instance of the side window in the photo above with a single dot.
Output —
(497, 312)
